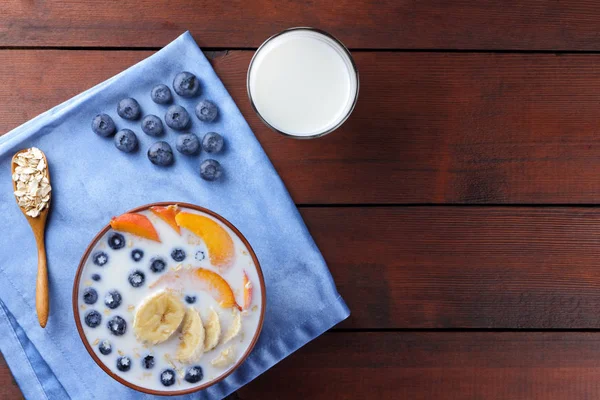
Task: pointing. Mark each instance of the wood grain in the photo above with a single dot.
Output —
(426, 365)
(463, 267)
(421, 24)
(437, 365)
(428, 128)
(8, 386)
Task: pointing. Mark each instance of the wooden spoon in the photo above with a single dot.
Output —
(38, 225)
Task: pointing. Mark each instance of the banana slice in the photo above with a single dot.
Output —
(213, 331)
(226, 358)
(191, 345)
(158, 317)
(236, 326)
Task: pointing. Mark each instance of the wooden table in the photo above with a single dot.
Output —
(455, 207)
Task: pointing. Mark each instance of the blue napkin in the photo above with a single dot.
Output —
(92, 181)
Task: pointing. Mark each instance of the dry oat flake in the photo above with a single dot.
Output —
(31, 180)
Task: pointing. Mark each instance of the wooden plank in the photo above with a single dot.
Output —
(446, 365)
(425, 365)
(438, 24)
(456, 267)
(8, 386)
(428, 128)
(463, 267)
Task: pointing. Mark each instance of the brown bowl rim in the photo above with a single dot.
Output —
(178, 392)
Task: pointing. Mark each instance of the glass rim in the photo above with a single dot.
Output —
(354, 68)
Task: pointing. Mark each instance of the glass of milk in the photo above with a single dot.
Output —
(303, 83)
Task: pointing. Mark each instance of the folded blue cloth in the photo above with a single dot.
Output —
(93, 181)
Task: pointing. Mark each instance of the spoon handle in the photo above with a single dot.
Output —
(42, 301)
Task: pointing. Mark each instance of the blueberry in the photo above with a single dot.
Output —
(188, 144)
(167, 377)
(105, 347)
(113, 299)
(137, 255)
(93, 319)
(103, 125)
(124, 364)
(126, 141)
(177, 118)
(210, 170)
(148, 362)
(194, 374)
(161, 94)
(137, 278)
(96, 277)
(200, 255)
(157, 264)
(100, 258)
(116, 241)
(129, 109)
(160, 153)
(186, 84)
(190, 299)
(212, 142)
(206, 111)
(117, 326)
(178, 255)
(90, 296)
(152, 125)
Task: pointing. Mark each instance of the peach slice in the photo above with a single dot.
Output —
(247, 291)
(136, 224)
(206, 280)
(217, 240)
(167, 214)
(217, 287)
